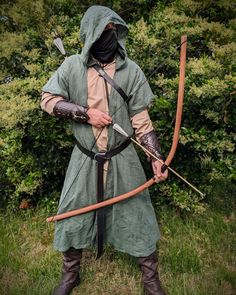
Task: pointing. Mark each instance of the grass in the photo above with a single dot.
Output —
(196, 258)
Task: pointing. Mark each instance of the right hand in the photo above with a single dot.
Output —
(98, 118)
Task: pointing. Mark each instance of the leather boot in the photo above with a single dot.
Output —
(150, 277)
(70, 272)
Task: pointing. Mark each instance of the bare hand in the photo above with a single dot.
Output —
(98, 118)
(159, 176)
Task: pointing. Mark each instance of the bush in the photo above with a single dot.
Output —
(35, 148)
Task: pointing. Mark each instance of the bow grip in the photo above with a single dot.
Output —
(163, 168)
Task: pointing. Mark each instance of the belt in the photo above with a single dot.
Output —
(101, 158)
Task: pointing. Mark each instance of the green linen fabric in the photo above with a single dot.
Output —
(131, 225)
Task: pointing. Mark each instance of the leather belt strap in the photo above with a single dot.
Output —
(105, 76)
(101, 158)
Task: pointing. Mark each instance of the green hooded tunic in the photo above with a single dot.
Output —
(131, 225)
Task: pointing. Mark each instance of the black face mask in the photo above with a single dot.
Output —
(104, 49)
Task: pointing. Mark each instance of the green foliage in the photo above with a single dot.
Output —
(35, 148)
(182, 259)
(207, 142)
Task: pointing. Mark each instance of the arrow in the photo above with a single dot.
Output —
(121, 131)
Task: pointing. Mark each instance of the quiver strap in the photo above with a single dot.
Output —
(113, 84)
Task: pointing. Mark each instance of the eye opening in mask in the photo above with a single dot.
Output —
(110, 26)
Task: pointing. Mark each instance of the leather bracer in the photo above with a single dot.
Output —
(150, 142)
(68, 110)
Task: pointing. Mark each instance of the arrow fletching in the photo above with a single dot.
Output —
(58, 43)
(117, 128)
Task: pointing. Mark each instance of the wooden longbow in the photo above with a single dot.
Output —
(167, 162)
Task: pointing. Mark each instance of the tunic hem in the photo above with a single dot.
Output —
(147, 252)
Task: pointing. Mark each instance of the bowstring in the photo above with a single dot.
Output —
(122, 104)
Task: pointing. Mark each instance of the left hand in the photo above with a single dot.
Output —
(156, 166)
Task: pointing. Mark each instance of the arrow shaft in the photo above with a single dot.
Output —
(169, 168)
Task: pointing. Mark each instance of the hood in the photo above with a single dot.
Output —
(93, 24)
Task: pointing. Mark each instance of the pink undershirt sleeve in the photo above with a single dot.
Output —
(48, 102)
(142, 124)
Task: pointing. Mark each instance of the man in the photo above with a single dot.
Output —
(78, 92)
